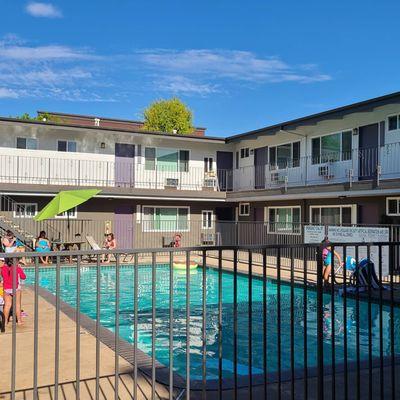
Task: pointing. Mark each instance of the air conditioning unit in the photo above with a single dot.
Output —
(210, 182)
(325, 171)
(171, 182)
(276, 177)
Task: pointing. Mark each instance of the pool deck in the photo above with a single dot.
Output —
(67, 366)
(67, 374)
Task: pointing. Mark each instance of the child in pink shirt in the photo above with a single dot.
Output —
(7, 274)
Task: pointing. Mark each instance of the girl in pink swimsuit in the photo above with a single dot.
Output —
(7, 274)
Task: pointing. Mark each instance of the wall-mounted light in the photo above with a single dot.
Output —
(102, 145)
(355, 131)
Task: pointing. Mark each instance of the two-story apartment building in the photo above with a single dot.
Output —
(341, 166)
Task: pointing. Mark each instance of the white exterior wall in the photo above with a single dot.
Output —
(91, 164)
(308, 173)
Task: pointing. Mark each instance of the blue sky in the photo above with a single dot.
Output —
(238, 65)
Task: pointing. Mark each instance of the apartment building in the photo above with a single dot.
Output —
(341, 166)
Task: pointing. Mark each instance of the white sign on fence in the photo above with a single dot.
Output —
(314, 233)
(353, 234)
(359, 234)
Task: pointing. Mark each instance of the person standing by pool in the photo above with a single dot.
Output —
(42, 245)
(327, 259)
(9, 242)
(7, 274)
(109, 244)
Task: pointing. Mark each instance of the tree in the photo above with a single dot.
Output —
(171, 116)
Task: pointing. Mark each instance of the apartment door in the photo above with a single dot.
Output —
(368, 146)
(260, 161)
(124, 164)
(224, 170)
(123, 226)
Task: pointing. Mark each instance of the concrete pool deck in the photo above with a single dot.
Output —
(67, 366)
(24, 382)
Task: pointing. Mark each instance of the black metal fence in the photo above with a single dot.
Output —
(199, 323)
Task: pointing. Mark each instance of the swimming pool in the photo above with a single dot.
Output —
(47, 278)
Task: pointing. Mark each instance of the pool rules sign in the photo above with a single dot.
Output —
(353, 234)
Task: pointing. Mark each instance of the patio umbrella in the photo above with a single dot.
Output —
(64, 201)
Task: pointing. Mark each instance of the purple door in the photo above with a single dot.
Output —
(123, 226)
(260, 161)
(124, 164)
(368, 151)
(224, 170)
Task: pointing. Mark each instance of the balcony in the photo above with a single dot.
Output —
(378, 163)
(37, 167)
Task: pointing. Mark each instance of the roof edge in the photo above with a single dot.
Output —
(142, 132)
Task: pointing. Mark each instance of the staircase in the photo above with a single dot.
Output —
(24, 229)
(19, 232)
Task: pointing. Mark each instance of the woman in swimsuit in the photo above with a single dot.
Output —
(42, 245)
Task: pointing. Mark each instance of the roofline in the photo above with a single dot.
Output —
(141, 132)
(97, 116)
(281, 125)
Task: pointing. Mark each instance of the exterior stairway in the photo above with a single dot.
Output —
(24, 228)
(19, 232)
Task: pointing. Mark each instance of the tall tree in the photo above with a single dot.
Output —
(171, 116)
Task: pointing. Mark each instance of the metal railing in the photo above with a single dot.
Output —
(156, 325)
(127, 174)
(337, 167)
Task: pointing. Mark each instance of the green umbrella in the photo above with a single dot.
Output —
(64, 201)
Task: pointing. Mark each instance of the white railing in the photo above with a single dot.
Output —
(75, 171)
(80, 169)
(367, 164)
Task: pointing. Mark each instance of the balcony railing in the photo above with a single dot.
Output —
(127, 174)
(375, 163)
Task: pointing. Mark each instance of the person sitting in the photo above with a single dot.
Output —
(177, 240)
(7, 275)
(9, 242)
(42, 245)
(20, 249)
(109, 244)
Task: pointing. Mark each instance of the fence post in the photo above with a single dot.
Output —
(320, 330)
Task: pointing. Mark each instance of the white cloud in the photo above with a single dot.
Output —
(51, 52)
(234, 65)
(51, 71)
(182, 85)
(45, 10)
(6, 93)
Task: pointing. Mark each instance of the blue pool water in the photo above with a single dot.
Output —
(107, 318)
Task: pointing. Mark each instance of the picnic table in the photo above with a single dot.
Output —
(67, 245)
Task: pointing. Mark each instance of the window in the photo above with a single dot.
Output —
(393, 122)
(26, 143)
(284, 220)
(171, 160)
(333, 215)
(66, 145)
(150, 158)
(331, 148)
(393, 206)
(244, 153)
(25, 210)
(165, 219)
(208, 164)
(207, 219)
(285, 156)
(68, 214)
(244, 209)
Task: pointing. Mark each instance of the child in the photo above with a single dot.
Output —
(7, 275)
(327, 259)
(110, 244)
